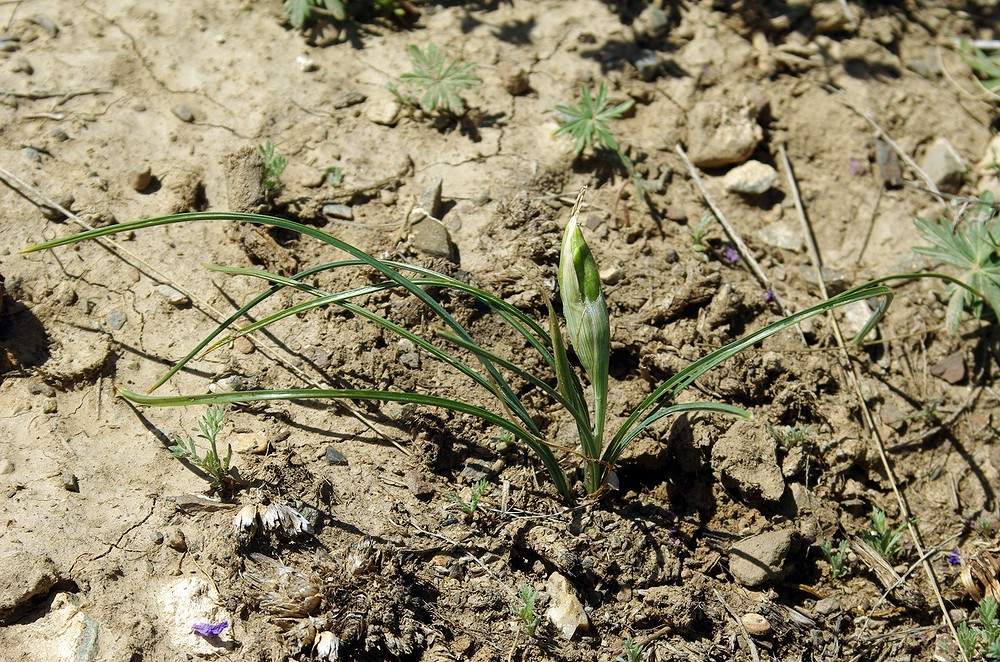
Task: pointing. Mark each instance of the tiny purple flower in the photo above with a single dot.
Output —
(730, 255)
(769, 296)
(210, 630)
(855, 167)
(954, 557)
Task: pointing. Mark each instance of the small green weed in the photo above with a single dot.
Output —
(633, 652)
(211, 463)
(274, 166)
(986, 527)
(974, 249)
(699, 231)
(479, 489)
(334, 176)
(526, 611)
(981, 642)
(986, 66)
(788, 436)
(588, 123)
(837, 559)
(888, 542)
(436, 82)
(301, 12)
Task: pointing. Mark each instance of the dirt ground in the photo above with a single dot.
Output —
(708, 548)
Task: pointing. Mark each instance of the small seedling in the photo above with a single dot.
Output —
(526, 612)
(789, 436)
(436, 82)
(334, 176)
(974, 249)
(301, 12)
(633, 652)
(986, 527)
(837, 559)
(588, 124)
(211, 463)
(986, 67)
(888, 542)
(274, 166)
(479, 489)
(981, 641)
(699, 231)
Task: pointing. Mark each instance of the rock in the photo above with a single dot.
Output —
(761, 558)
(176, 540)
(250, 443)
(951, 368)
(243, 345)
(611, 275)
(65, 201)
(140, 178)
(22, 66)
(23, 578)
(652, 23)
(476, 469)
(333, 456)
(6, 467)
(751, 178)
(59, 134)
(343, 212)
(647, 64)
(65, 632)
(116, 319)
(431, 237)
(944, 165)
(722, 134)
(565, 610)
(781, 235)
(174, 297)
(312, 178)
(430, 199)
(348, 99)
(184, 603)
(384, 112)
(755, 624)
(827, 606)
(744, 460)
(183, 113)
(419, 486)
(514, 80)
(70, 482)
(855, 316)
(46, 24)
(835, 281)
(306, 63)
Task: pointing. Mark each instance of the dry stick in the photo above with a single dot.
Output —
(733, 236)
(746, 635)
(202, 306)
(869, 420)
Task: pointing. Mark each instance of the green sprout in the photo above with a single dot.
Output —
(886, 540)
(986, 67)
(588, 124)
(479, 489)
(526, 611)
(334, 176)
(437, 82)
(634, 652)
(211, 463)
(986, 527)
(274, 166)
(837, 559)
(788, 436)
(984, 640)
(974, 249)
(587, 325)
(699, 231)
(301, 12)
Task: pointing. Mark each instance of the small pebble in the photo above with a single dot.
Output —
(243, 345)
(388, 197)
(22, 66)
(342, 212)
(175, 540)
(611, 275)
(156, 537)
(951, 368)
(59, 134)
(140, 178)
(515, 80)
(50, 406)
(756, 624)
(174, 297)
(385, 113)
(335, 457)
(827, 606)
(70, 482)
(9, 46)
(6, 467)
(45, 23)
(348, 99)
(32, 154)
(116, 319)
(183, 113)
(313, 179)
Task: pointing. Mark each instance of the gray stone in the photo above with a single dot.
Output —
(514, 79)
(384, 112)
(722, 134)
(70, 482)
(183, 113)
(944, 165)
(648, 65)
(116, 319)
(652, 23)
(431, 237)
(476, 469)
(951, 368)
(65, 201)
(827, 606)
(140, 178)
(761, 558)
(333, 456)
(21, 580)
(343, 212)
(751, 178)
(781, 235)
(430, 199)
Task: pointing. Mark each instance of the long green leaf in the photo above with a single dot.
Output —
(543, 452)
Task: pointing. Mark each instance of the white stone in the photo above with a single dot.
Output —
(565, 610)
(186, 602)
(781, 235)
(751, 178)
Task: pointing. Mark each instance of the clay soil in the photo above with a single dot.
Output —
(112, 548)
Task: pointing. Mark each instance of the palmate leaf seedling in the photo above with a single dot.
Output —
(526, 609)
(214, 465)
(983, 640)
(587, 324)
(974, 249)
(437, 82)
